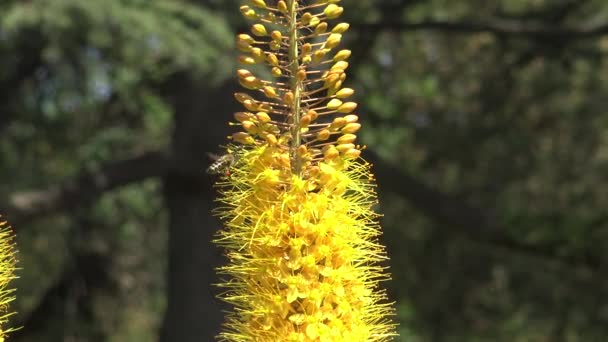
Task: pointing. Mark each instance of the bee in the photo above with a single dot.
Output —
(222, 164)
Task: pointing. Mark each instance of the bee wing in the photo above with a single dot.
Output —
(213, 156)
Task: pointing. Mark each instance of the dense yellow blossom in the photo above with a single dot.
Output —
(300, 232)
(7, 273)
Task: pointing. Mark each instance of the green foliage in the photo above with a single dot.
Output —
(96, 65)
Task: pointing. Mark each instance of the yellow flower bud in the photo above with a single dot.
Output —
(340, 65)
(345, 147)
(259, 30)
(306, 17)
(272, 59)
(282, 7)
(342, 55)
(313, 114)
(246, 60)
(276, 35)
(243, 138)
(242, 97)
(334, 104)
(333, 11)
(347, 107)
(305, 121)
(242, 116)
(242, 73)
(259, 3)
(344, 93)
(288, 98)
(351, 118)
(323, 135)
(346, 139)
(333, 40)
(341, 28)
(318, 55)
(351, 128)
(306, 49)
(276, 72)
(271, 139)
(321, 28)
(352, 154)
(248, 12)
(301, 75)
(249, 126)
(270, 92)
(337, 124)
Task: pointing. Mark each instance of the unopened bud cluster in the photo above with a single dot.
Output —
(303, 104)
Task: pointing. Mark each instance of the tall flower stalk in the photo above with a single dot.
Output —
(7, 273)
(296, 197)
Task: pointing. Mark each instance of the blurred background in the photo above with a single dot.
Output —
(485, 121)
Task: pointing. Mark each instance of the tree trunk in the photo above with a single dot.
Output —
(193, 311)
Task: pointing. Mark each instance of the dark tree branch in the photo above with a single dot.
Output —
(27, 206)
(474, 223)
(498, 27)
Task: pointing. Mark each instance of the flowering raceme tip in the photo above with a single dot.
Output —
(300, 232)
(7, 273)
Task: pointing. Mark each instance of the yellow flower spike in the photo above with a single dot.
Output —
(7, 274)
(300, 234)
